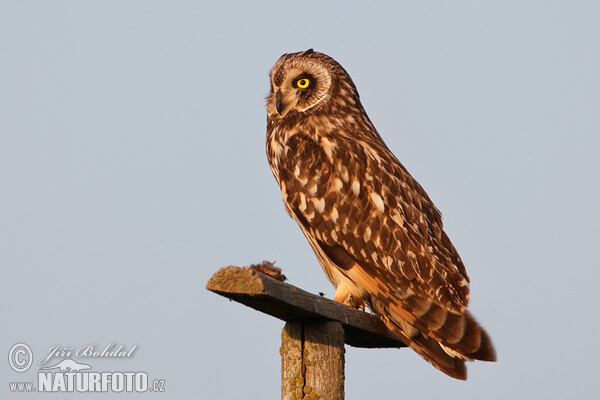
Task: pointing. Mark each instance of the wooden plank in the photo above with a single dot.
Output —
(289, 303)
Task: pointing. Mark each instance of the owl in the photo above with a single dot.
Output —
(375, 231)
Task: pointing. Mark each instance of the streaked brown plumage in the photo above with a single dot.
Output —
(376, 233)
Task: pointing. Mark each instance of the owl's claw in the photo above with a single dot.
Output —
(350, 301)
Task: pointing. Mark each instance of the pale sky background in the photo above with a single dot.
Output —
(132, 167)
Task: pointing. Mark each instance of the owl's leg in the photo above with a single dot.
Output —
(344, 296)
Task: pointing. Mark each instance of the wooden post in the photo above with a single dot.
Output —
(312, 341)
(312, 360)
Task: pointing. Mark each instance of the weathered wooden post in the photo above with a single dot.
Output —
(312, 341)
(312, 360)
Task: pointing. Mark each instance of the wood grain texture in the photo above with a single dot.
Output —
(292, 378)
(324, 359)
(292, 304)
(312, 360)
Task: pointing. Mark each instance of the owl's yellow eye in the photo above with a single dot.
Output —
(303, 83)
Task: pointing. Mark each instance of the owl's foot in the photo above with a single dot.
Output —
(348, 299)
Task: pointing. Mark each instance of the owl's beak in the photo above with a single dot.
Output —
(278, 102)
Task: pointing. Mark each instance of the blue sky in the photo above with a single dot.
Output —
(132, 167)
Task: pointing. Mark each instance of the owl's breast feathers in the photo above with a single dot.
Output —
(364, 214)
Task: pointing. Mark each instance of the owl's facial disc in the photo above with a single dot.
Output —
(297, 85)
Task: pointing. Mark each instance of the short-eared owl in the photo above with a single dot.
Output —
(376, 233)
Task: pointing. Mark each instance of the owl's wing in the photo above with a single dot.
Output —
(378, 227)
(359, 198)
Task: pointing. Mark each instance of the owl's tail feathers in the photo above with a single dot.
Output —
(446, 349)
(476, 343)
(461, 336)
(431, 351)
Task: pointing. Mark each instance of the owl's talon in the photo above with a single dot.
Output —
(349, 301)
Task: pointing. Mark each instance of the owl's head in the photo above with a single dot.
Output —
(306, 82)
